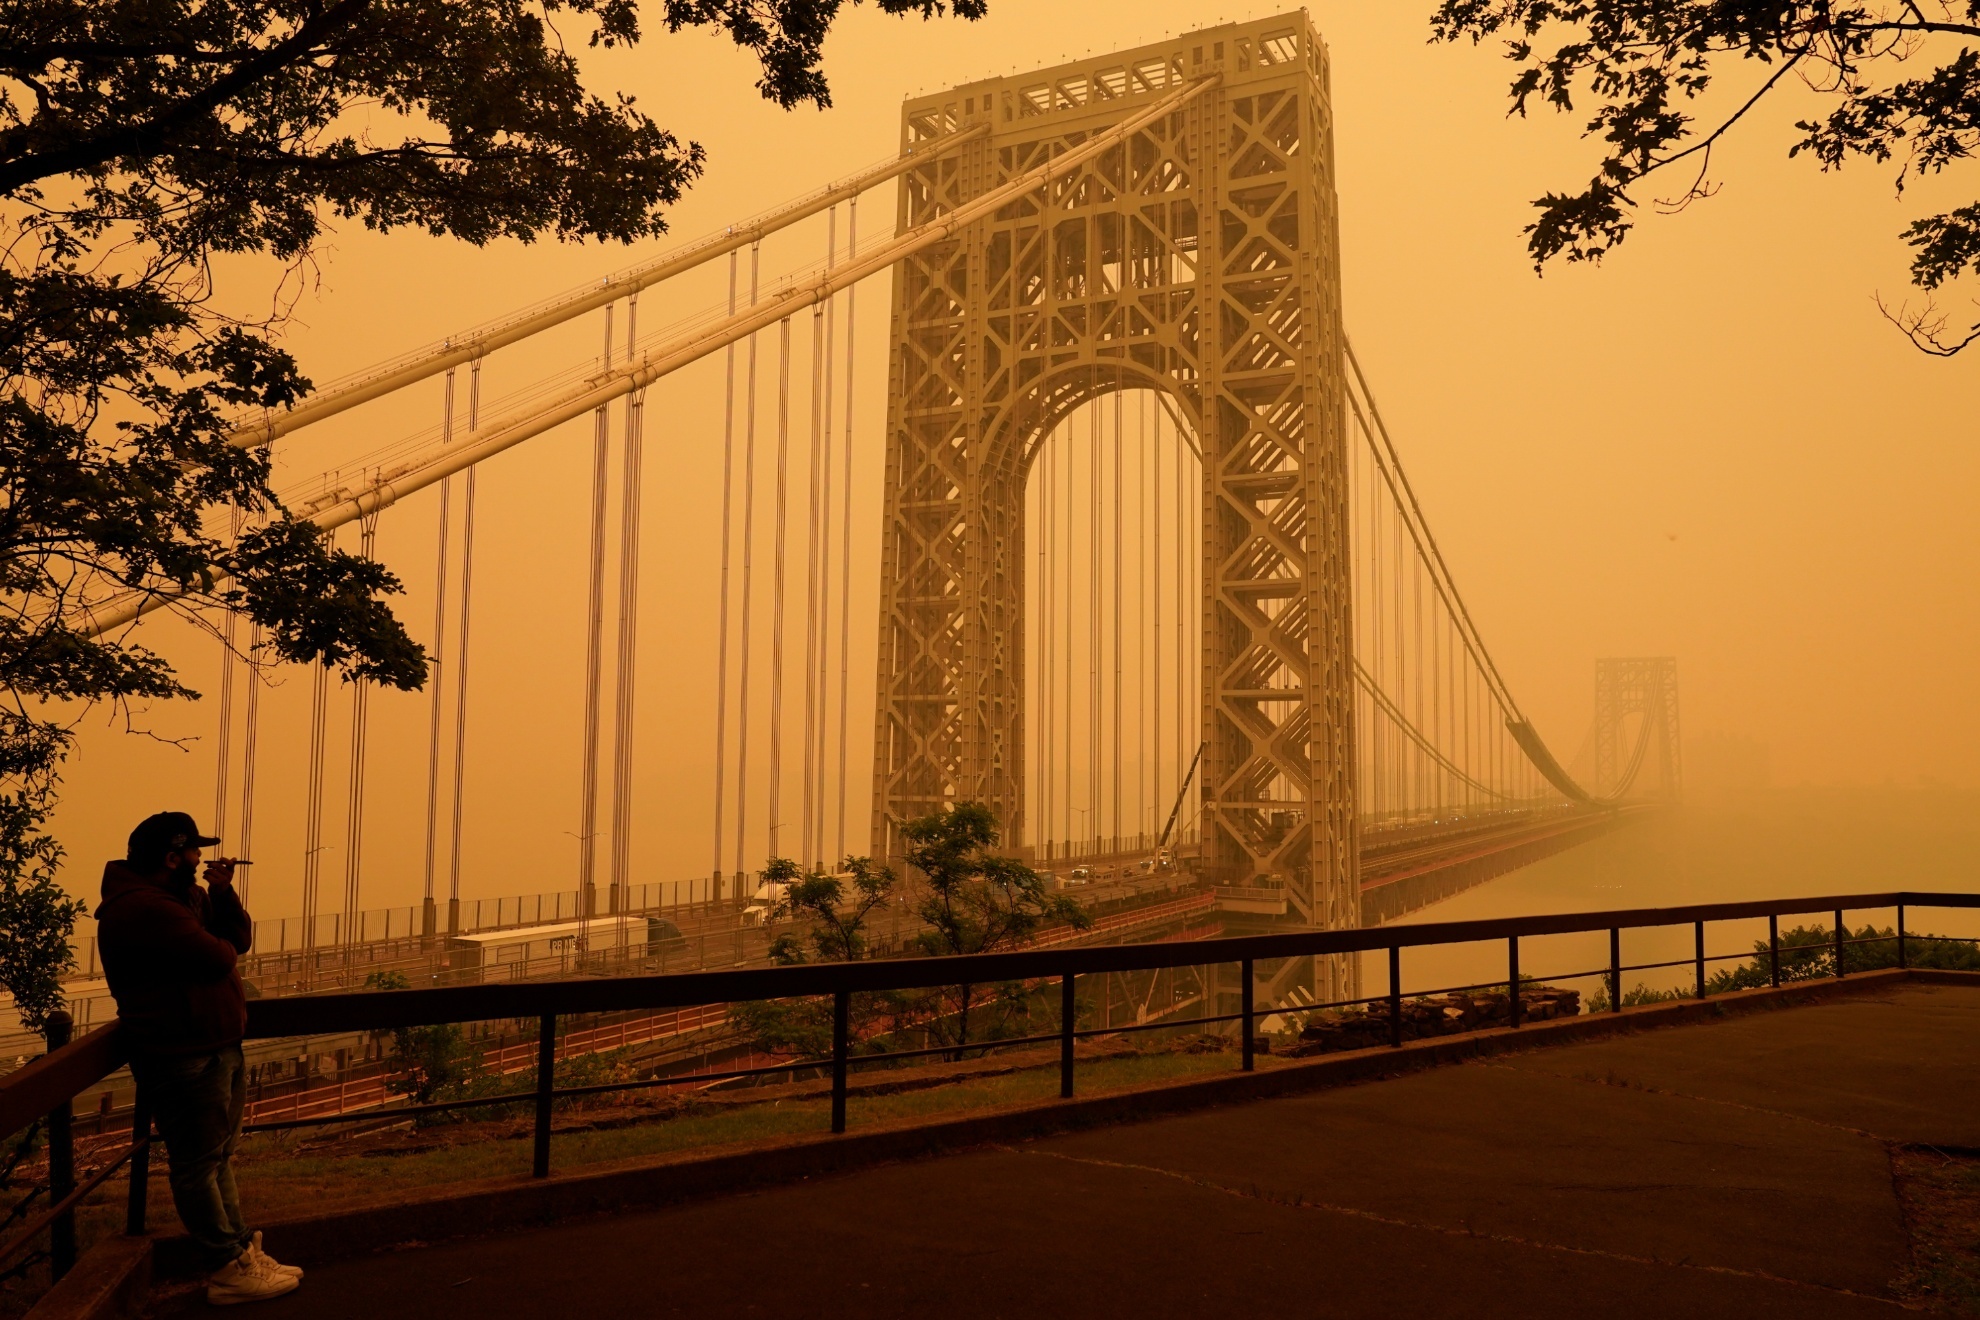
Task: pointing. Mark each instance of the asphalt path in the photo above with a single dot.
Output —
(1737, 1168)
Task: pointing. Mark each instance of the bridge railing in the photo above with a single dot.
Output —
(44, 1090)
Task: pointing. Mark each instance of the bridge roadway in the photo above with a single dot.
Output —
(1743, 1167)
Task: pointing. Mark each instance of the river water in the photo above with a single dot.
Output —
(1766, 844)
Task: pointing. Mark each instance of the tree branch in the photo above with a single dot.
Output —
(90, 152)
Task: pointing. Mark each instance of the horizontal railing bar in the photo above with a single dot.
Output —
(381, 1009)
(31, 1091)
(1086, 1033)
(73, 1199)
(39, 1086)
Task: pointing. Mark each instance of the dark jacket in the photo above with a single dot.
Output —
(169, 954)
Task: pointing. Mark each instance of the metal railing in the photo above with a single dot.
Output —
(46, 1088)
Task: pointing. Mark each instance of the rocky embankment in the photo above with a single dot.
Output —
(1432, 1015)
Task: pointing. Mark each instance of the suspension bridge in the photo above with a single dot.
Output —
(1153, 583)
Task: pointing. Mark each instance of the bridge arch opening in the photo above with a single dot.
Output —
(1112, 597)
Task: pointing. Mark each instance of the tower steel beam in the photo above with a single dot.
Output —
(1198, 258)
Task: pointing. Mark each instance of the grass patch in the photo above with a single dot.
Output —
(282, 1174)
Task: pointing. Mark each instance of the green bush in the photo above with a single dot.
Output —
(1808, 953)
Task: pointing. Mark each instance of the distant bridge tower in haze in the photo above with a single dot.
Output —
(1636, 717)
(1198, 258)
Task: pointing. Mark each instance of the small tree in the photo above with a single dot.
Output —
(975, 902)
(436, 1062)
(837, 933)
(838, 920)
(36, 916)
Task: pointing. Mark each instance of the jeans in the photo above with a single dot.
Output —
(196, 1100)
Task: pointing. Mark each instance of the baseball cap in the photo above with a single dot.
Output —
(167, 831)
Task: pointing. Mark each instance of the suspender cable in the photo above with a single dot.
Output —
(749, 559)
(1142, 825)
(626, 671)
(1093, 626)
(1151, 444)
(1065, 444)
(250, 737)
(820, 676)
(319, 700)
(813, 468)
(1182, 602)
(1119, 518)
(354, 819)
(461, 667)
(722, 607)
(1420, 675)
(594, 662)
(845, 533)
(777, 583)
(1048, 512)
(428, 916)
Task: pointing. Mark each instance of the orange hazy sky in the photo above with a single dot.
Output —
(1711, 446)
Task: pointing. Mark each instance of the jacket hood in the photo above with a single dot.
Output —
(121, 879)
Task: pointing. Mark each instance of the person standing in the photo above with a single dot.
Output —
(169, 950)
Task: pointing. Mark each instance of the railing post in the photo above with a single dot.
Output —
(1246, 975)
(1067, 1016)
(1698, 953)
(546, 1081)
(1903, 961)
(1615, 969)
(841, 1028)
(135, 1204)
(1511, 978)
(1395, 996)
(1839, 944)
(61, 1159)
(1774, 950)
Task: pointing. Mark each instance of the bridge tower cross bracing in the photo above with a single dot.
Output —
(1644, 686)
(1199, 259)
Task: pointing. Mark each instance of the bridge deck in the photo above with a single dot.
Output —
(1738, 1168)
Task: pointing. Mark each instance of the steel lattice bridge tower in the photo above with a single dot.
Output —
(1199, 257)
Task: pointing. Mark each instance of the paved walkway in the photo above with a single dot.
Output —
(1732, 1169)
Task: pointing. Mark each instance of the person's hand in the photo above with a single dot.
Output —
(219, 871)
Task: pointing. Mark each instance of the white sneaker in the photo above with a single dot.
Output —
(268, 1262)
(244, 1280)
